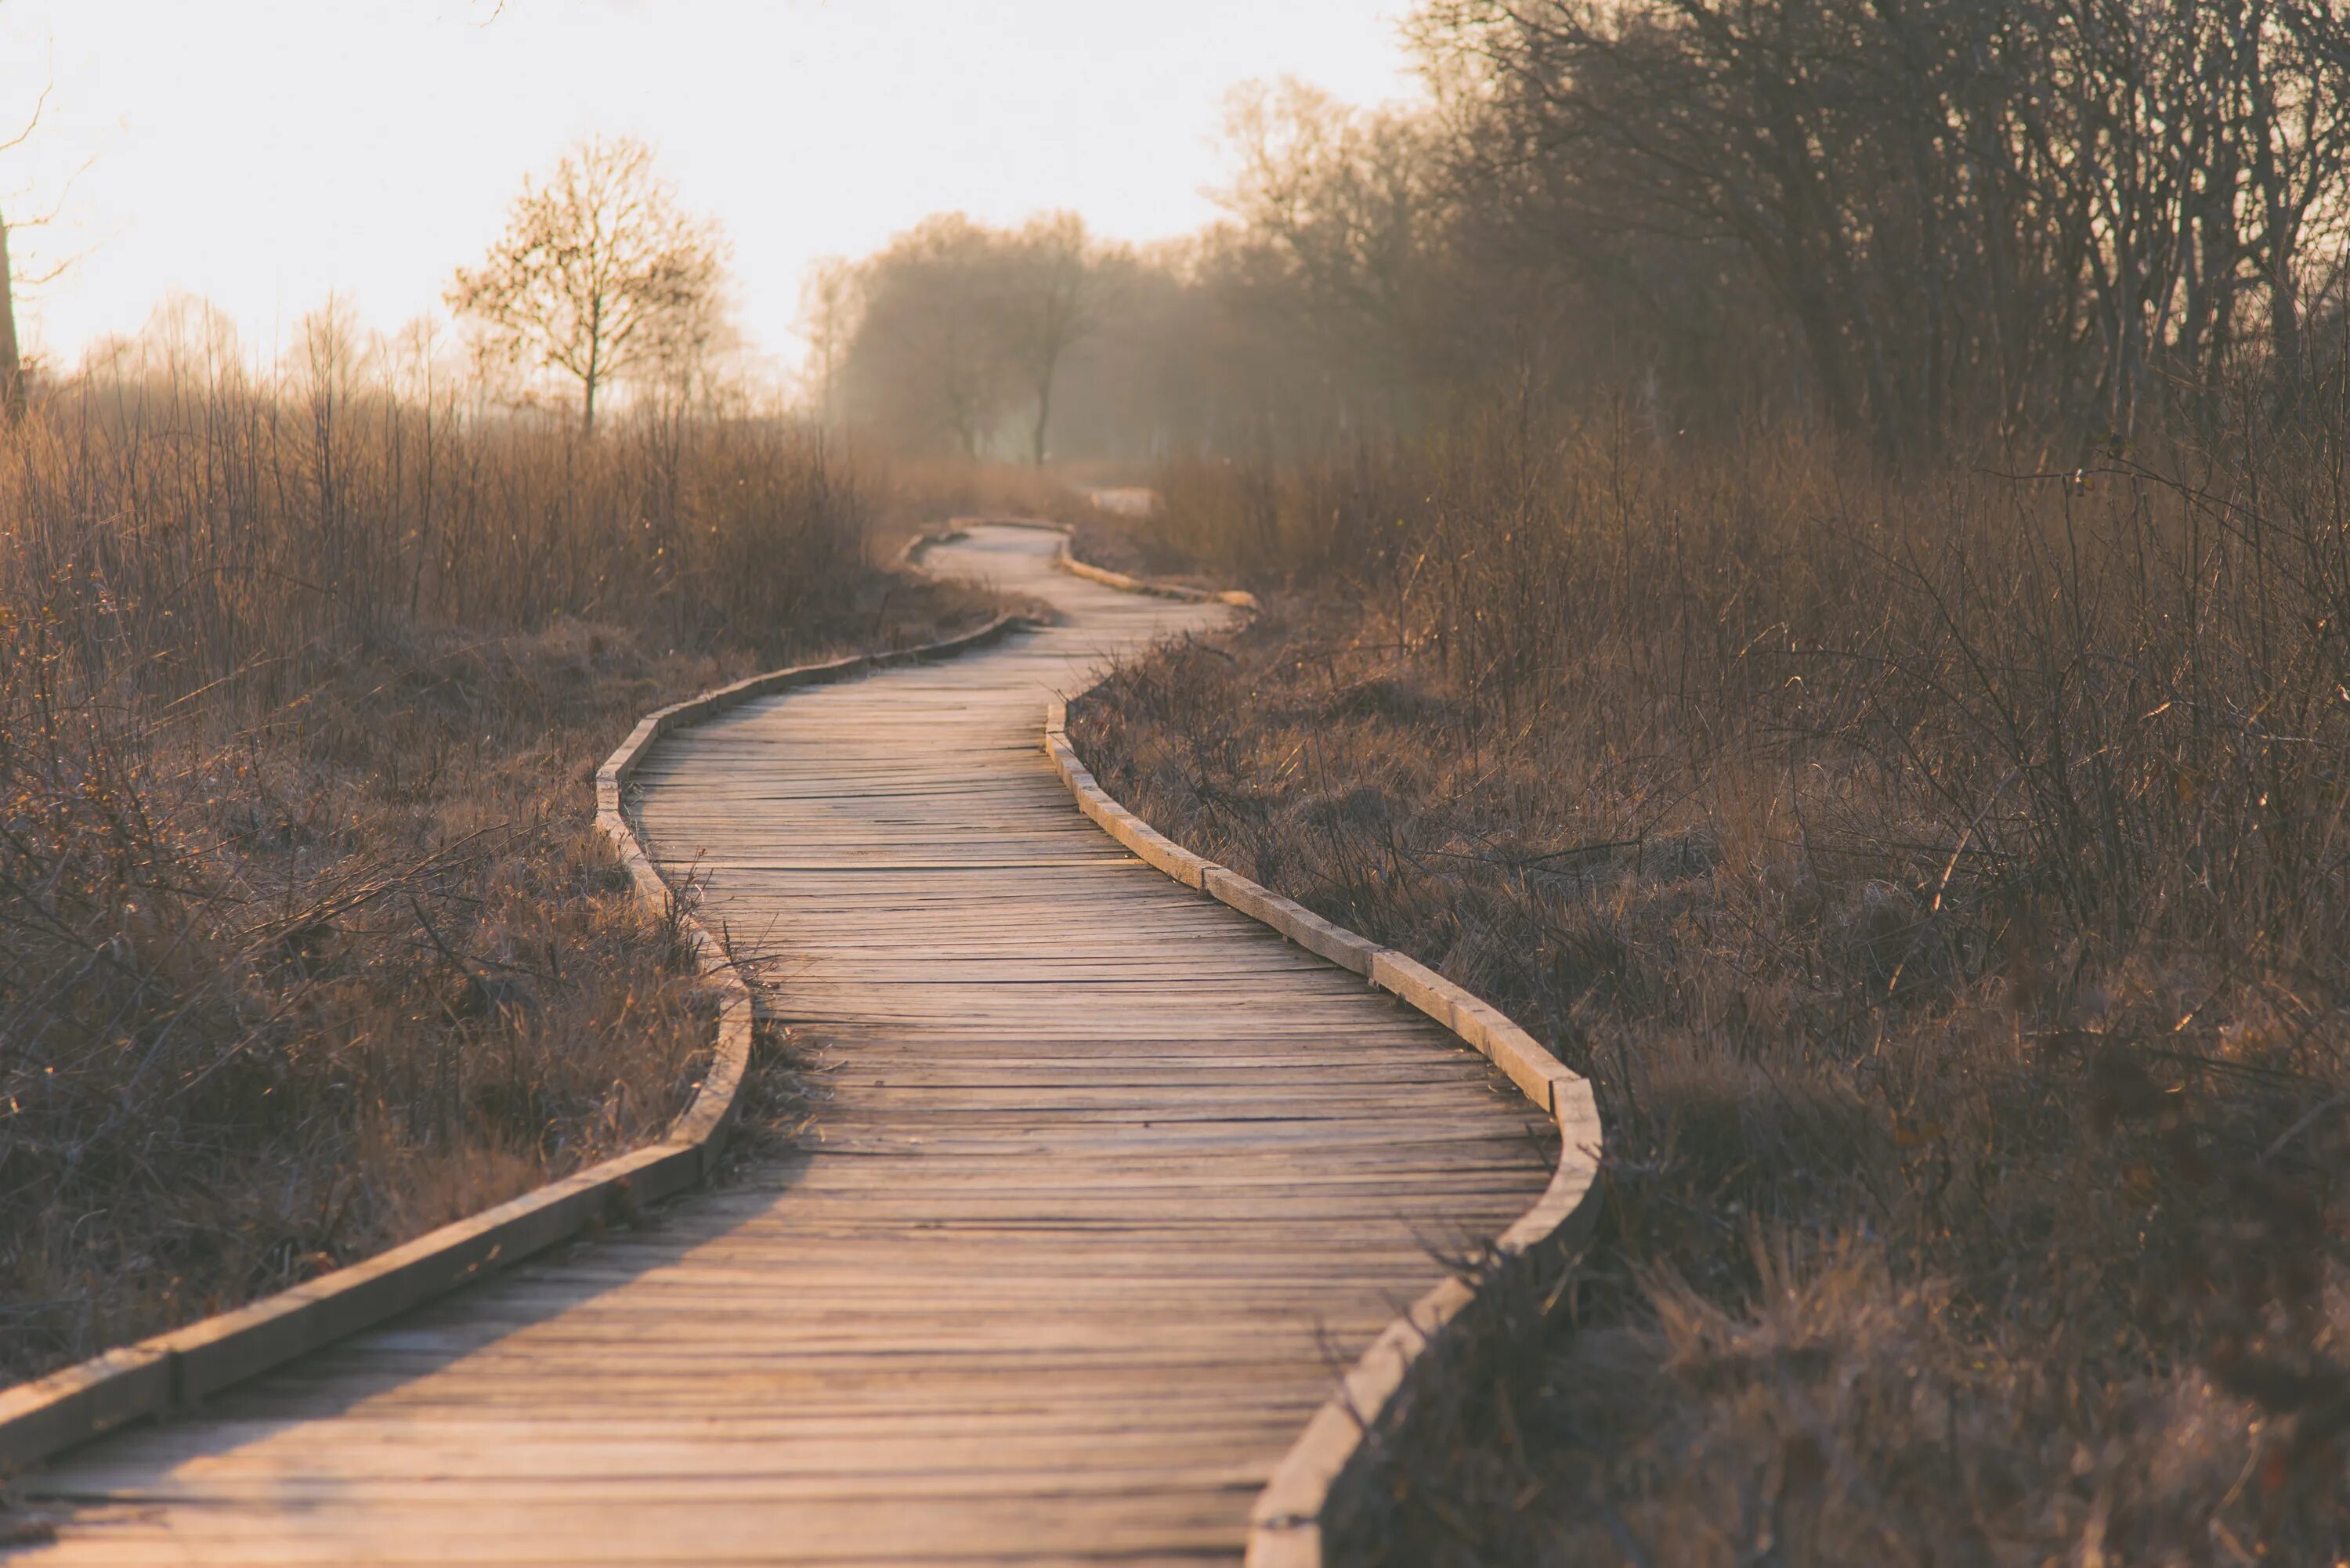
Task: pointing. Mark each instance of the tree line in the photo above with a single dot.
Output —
(938, 338)
(1916, 221)
(602, 284)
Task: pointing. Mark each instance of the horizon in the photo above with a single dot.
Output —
(188, 164)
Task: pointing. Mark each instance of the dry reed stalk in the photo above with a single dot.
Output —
(1942, 878)
(306, 942)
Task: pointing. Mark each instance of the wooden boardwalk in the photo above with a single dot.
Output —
(1105, 1183)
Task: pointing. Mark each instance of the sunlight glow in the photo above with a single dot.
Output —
(265, 152)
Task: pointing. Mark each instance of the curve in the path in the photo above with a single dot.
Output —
(1104, 1183)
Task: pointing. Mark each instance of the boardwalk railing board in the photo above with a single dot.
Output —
(177, 1370)
(1108, 578)
(1287, 1521)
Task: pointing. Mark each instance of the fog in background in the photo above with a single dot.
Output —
(2058, 222)
(1072, 231)
(264, 153)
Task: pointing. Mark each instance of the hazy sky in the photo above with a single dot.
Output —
(264, 152)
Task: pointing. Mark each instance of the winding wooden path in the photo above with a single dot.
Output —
(1106, 1181)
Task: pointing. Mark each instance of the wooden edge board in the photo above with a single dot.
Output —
(1108, 578)
(1295, 921)
(178, 1369)
(1146, 841)
(1288, 1519)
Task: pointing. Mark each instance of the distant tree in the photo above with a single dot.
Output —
(1046, 303)
(828, 303)
(1337, 220)
(927, 362)
(599, 276)
(940, 338)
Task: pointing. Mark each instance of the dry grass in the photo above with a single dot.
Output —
(306, 942)
(1942, 880)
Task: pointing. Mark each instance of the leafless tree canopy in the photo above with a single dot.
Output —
(600, 275)
(1954, 210)
(1920, 221)
(1048, 304)
(827, 311)
(961, 331)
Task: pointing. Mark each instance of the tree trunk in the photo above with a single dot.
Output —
(2284, 306)
(1043, 414)
(12, 364)
(593, 377)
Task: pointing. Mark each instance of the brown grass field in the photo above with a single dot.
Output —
(1942, 878)
(307, 944)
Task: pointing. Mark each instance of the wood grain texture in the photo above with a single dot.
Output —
(1106, 1186)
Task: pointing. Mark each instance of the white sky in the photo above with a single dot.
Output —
(264, 152)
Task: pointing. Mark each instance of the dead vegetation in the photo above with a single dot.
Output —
(1942, 878)
(306, 942)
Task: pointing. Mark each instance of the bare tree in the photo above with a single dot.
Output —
(599, 276)
(828, 307)
(1049, 304)
(943, 334)
(12, 358)
(2015, 213)
(926, 360)
(1337, 213)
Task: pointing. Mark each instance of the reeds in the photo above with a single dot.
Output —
(306, 942)
(1943, 878)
